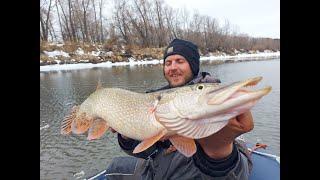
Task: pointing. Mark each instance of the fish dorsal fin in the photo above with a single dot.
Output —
(97, 129)
(99, 85)
(184, 145)
(145, 144)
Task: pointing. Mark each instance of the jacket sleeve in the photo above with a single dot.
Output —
(235, 166)
(128, 145)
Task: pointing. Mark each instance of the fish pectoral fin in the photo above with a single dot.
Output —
(97, 129)
(153, 109)
(184, 145)
(67, 121)
(81, 123)
(145, 144)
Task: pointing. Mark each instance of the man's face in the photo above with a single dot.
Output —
(177, 70)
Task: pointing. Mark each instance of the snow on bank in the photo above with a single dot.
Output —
(56, 53)
(244, 56)
(132, 61)
(57, 67)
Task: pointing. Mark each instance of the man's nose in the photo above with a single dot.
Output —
(174, 65)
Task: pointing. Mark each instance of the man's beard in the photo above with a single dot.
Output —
(186, 79)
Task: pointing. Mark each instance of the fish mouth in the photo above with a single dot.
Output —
(238, 91)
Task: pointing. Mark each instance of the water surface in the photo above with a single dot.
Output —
(62, 157)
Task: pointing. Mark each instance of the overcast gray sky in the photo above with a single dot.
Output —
(257, 18)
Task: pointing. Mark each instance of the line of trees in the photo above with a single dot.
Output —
(141, 23)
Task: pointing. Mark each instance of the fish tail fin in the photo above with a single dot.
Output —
(67, 121)
(97, 129)
(184, 145)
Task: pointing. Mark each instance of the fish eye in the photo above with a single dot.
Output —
(200, 87)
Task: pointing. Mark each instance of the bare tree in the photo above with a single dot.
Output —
(169, 18)
(52, 31)
(121, 20)
(160, 31)
(45, 20)
(196, 28)
(185, 18)
(65, 30)
(101, 27)
(96, 39)
(60, 23)
(143, 23)
(71, 20)
(84, 5)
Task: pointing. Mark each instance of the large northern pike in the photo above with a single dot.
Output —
(181, 114)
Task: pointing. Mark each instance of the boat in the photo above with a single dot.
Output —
(266, 166)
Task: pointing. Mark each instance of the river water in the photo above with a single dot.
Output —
(72, 157)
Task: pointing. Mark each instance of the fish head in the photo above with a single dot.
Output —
(209, 102)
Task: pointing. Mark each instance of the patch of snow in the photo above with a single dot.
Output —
(79, 51)
(84, 60)
(56, 53)
(109, 53)
(95, 53)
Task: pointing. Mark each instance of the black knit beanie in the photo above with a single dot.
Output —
(186, 49)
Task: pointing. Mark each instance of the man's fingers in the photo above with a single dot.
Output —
(245, 116)
(245, 120)
(242, 123)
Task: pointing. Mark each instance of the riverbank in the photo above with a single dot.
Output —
(68, 56)
(218, 59)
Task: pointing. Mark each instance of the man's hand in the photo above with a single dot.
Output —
(220, 144)
(241, 124)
